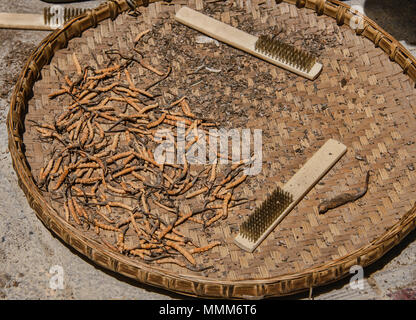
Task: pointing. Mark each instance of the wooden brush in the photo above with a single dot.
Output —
(272, 211)
(50, 20)
(272, 50)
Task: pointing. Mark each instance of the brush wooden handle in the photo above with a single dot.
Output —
(25, 21)
(301, 183)
(236, 38)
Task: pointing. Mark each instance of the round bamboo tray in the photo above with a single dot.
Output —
(365, 98)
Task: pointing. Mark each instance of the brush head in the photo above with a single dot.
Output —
(61, 16)
(264, 216)
(286, 53)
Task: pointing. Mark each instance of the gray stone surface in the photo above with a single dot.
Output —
(28, 250)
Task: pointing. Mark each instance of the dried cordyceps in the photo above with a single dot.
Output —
(103, 164)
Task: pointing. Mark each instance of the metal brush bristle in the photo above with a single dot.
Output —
(57, 17)
(287, 53)
(258, 222)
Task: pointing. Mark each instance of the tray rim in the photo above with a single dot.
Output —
(281, 285)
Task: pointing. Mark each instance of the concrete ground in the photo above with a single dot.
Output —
(31, 258)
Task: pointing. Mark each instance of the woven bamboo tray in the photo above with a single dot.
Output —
(365, 98)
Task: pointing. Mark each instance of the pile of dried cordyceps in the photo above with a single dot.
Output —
(104, 170)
